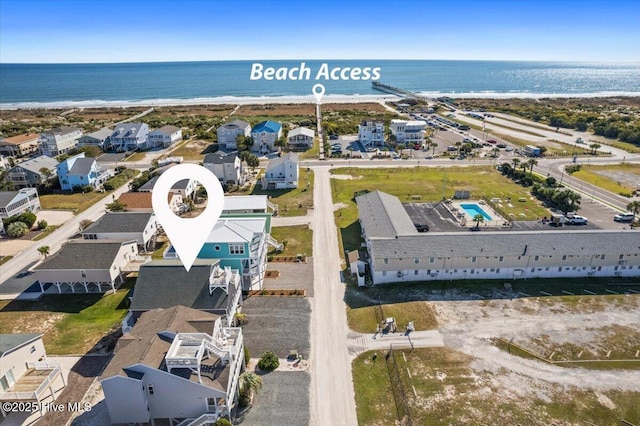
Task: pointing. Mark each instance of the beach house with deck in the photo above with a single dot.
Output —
(176, 366)
(228, 133)
(33, 172)
(20, 145)
(281, 172)
(79, 171)
(59, 140)
(371, 133)
(129, 136)
(164, 136)
(265, 135)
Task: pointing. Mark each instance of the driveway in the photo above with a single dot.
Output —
(293, 276)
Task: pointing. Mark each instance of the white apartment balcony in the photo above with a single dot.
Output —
(31, 386)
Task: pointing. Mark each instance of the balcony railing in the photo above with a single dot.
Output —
(34, 395)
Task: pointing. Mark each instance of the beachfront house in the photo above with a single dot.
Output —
(265, 135)
(300, 139)
(20, 145)
(13, 203)
(89, 266)
(129, 136)
(164, 136)
(176, 365)
(241, 243)
(371, 133)
(26, 374)
(79, 171)
(125, 226)
(141, 202)
(281, 172)
(59, 140)
(206, 287)
(408, 131)
(227, 167)
(398, 252)
(99, 138)
(228, 133)
(33, 172)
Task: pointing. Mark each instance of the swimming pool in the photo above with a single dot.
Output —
(474, 209)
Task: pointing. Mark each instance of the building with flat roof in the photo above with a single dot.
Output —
(371, 133)
(20, 145)
(407, 131)
(398, 252)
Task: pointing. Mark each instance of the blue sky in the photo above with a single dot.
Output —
(157, 30)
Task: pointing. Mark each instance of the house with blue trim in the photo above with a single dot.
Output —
(240, 242)
(80, 171)
(265, 135)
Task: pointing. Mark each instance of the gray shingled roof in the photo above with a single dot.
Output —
(144, 346)
(165, 283)
(62, 130)
(383, 216)
(219, 158)
(457, 244)
(9, 342)
(127, 130)
(168, 129)
(101, 134)
(236, 124)
(149, 184)
(82, 166)
(119, 222)
(6, 197)
(83, 254)
(35, 164)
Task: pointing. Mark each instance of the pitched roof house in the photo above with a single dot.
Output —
(281, 172)
(20, 145)
(29, 173)
(16, 202)
(179, 364)
(129, 136)
(300, 138)
(227, 167)
(124, 226)
(228, 133)
(164, 136)
(265, 135)
(59, 140)
(80, 171)
(99, 138)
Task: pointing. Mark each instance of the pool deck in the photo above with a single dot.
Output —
(464, 218)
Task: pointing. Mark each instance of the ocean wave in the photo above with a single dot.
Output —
(525, 95)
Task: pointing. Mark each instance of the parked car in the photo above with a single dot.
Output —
(371, 149)
(577, 220)
(623, 217)
(333, 137)
(492, 141)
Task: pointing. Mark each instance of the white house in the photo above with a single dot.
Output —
(407, 131)
(16, 202)
(99, 138)
(129, 136)
(164, 136)
(26, 375)
(228, 133)
(371, 133)
(300, 138)
(81, 263)
(59, 140)
(29, 173)
(125, 226)
(398, 252)
(281, 172)
(177, 364)
(265, 135)
(227, 167)
(245, 204)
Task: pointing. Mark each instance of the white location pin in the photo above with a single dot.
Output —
(187, 235)
(318, 91)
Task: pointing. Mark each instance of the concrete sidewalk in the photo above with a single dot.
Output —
(362, 342)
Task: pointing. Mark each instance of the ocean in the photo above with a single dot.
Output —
(34, 85)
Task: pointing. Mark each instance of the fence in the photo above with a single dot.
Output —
(397, 388)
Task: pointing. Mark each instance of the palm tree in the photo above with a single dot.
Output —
(532, 162)
(248, 383)
(634, 207)
(496, 150)
(478, 220)
(44, 250)
(516, 161)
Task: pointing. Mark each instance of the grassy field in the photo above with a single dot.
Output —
(363, 319)
(292, 202)
(448, 391)
(46, 232)
(299, 240)
(612, 177)
(625, 146)
(427, 182)
(71, 323)
(136, 156)
(312, 153)
(192, 149)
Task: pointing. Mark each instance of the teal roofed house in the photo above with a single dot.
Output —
(265, 135)
(240, 242)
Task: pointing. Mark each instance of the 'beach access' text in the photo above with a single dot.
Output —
(258, 71)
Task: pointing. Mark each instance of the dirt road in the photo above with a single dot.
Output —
(332, 397)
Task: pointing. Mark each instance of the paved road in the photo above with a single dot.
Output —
(55, 240)
(332, 395)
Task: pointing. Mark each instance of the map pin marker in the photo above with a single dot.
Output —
(318, 91)
(187, 235)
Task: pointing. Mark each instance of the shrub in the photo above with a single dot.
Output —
(84, 224)
(108, 186)
(268, 362)
(223, 422)
(42, 224)
(241, 319)
(247, 356)
(17, 229)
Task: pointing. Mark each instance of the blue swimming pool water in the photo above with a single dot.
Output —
(474, 209)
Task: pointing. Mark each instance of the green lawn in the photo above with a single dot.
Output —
(136, 156)
(46, 232)
(5, 259)
(292, 202)
(428, 183)
(298, 240)
(603, 176)
(71, 323)
(448, 391)
(625, 146)
(312, 153)
(363, 320)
